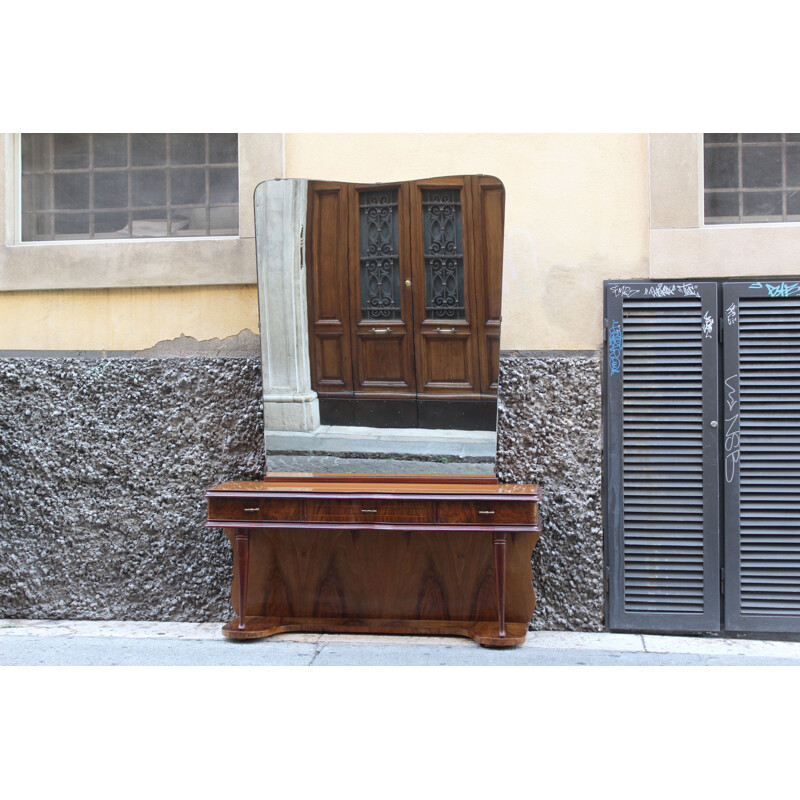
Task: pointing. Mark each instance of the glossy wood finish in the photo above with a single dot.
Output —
(489, 200)
(383, 350)
(332, 567)
(328, 289)
(446, 349)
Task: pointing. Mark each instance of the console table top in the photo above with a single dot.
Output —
(335, 483)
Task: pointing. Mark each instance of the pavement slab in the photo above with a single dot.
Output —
(111, 642)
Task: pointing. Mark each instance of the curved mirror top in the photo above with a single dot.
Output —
(380, 310)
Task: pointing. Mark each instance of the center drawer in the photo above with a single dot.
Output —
(242, 508)
(368, 511)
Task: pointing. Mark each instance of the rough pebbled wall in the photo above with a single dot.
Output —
(103, 465)
(550, 433)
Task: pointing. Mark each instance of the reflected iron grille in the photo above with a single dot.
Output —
(444, 259)
(380, 256)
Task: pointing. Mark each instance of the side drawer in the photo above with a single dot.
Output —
(487, 512)
(255, 508)
(368, 511)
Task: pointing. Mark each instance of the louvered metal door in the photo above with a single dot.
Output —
(761, 447)
(662, 466)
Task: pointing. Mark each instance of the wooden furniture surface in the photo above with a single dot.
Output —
(379, 554)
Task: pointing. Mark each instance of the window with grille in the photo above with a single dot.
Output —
(751, 177)
(128, 185)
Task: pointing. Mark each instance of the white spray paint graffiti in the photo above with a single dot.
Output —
(732, 453)
(730, 311)
(708, 325)
(624, 291)
(660, 290)
(671, 289)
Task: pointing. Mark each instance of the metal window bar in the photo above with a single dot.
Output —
(49, 215)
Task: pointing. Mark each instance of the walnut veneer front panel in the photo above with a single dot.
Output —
(358, 574)
(487, 512)
(261, 509)
(368, 510)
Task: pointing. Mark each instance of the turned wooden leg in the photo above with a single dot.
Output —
(499, 542)
(242, 570)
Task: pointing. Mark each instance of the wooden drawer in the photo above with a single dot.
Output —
(243, 508)
(367, 510)
(487, 512)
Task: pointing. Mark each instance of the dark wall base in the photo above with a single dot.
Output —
(549, 432)
(103, 466)
(104, 462)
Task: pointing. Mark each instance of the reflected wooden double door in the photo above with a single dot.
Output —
(404, 295)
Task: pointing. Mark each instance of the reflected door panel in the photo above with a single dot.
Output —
(379, 268)
(404, 288)
(328, 289)
(444, 299)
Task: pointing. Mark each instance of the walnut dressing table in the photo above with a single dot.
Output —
(335, 553)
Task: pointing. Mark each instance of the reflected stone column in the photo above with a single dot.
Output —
(280, 211)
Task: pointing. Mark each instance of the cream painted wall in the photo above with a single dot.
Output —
(577, 212)
(123, 319)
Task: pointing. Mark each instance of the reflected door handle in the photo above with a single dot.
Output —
(381, 330)
(445, 330)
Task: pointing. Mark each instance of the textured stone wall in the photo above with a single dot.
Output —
(549, 433)
(103, 465)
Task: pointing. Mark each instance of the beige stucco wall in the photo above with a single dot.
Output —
(123, 319)
(129, 295)
(576, 213)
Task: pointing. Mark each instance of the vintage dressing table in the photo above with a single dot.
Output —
(338, 553)
(379, 305)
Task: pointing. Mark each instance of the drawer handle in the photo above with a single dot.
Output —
(486, 512)
(252, 509)
(369, 510)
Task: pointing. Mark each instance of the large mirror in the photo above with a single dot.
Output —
(380, 318)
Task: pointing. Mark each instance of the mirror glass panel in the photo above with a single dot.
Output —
(380, 310)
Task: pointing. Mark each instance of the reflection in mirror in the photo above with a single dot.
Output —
(380, 324)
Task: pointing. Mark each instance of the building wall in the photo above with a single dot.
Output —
(124, 447)
(576, 213)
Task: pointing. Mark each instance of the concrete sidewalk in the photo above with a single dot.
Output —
(89, 643)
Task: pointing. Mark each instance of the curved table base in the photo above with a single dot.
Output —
(484, 633)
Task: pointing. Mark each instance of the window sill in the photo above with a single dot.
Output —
(127, 263)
